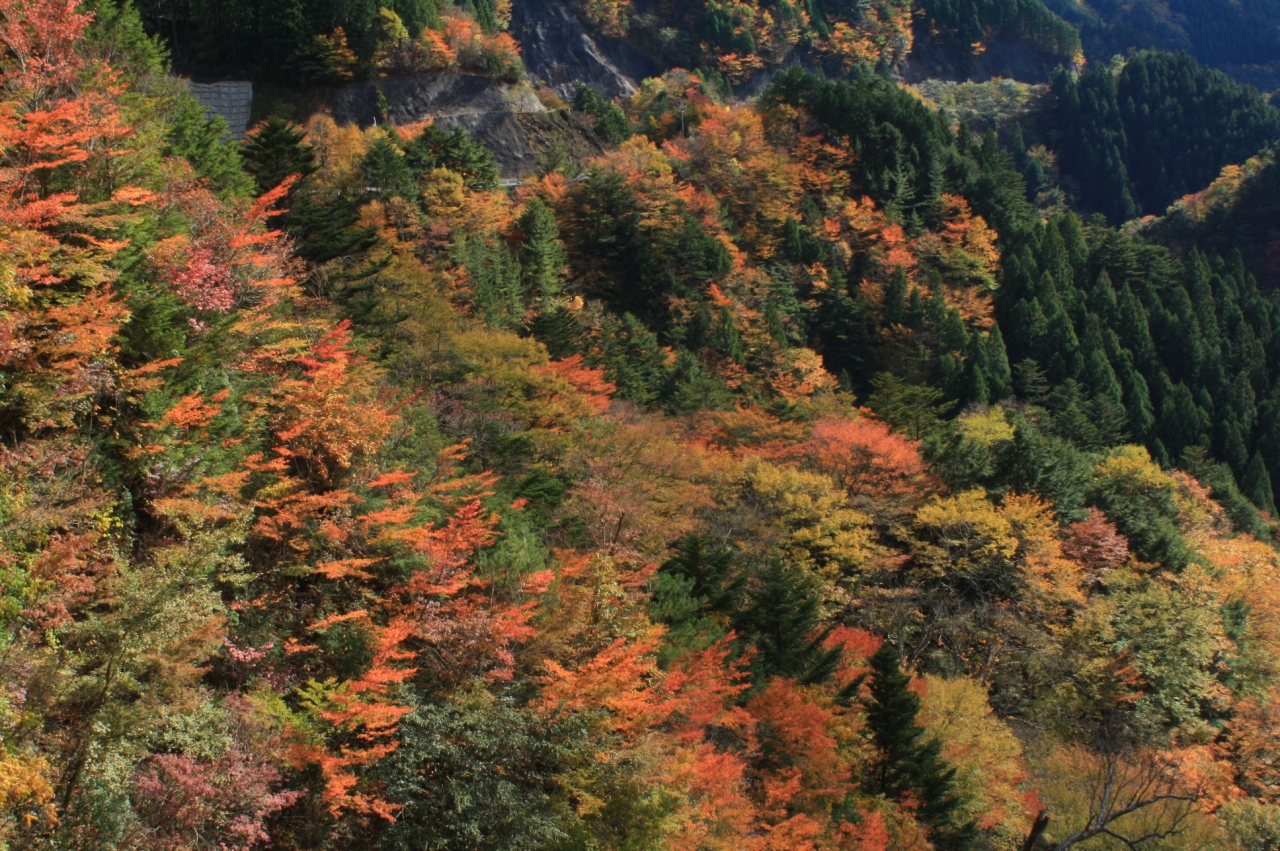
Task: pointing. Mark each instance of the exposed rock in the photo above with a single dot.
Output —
(417, 97)
(520, 141)
(560, 134)
(508, 119)
(760, 80)
(559, 49)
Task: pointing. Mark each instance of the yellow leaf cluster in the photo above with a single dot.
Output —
(986, 754)
(820, 531)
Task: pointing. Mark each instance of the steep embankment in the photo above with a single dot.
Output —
(560, 50)
(509, 119)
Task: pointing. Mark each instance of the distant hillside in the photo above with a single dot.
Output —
(1135, 139)
(1240, 211)
(1241, 37)
(316, 42)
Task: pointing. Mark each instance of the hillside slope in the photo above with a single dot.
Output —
(560, 49)
(1242, 39)
(780, 475)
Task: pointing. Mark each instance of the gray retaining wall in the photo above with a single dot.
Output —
(231, 99)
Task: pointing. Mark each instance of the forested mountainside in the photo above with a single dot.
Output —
(1137, 140)
(1235, 213)
(797, 473)
(284, 41)
(1241, 38)
(319, 41)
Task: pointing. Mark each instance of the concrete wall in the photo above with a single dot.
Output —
(231, 100)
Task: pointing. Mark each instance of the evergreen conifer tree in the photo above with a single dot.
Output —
(1182, 422)
(694, 594)
(541, 255)
(895, 298)
(496, 288)
(208, 146)
(774, 322)
(915, 309)
(325, 230)
(383, 169)
(977, 388)
(1268, 437)
(469, 158)
(1028, 327)
(422, 153)
(999, 375)
(727, 339)
(1137, 398)
(275, 150)
(952, 334)
(1135, 333)
(1061, 348)
(1098, 372)
(1256, 484)
(434, 148)
(559, 331)
(709, 573)
(793, 240)
(1110, 418)
(692, 387)
(909, 763)
(915, 409)
(1102, 299)
(782, 620)
(1018, 283)
(634, 361)
(1231, 446)
(611, 125)
(1074, 245)
(1029, 381)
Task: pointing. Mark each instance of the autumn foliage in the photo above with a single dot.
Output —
(442, 516)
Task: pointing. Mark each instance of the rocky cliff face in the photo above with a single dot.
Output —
(507, 119)
(559, 50)
(415, 97)
(562, 52)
